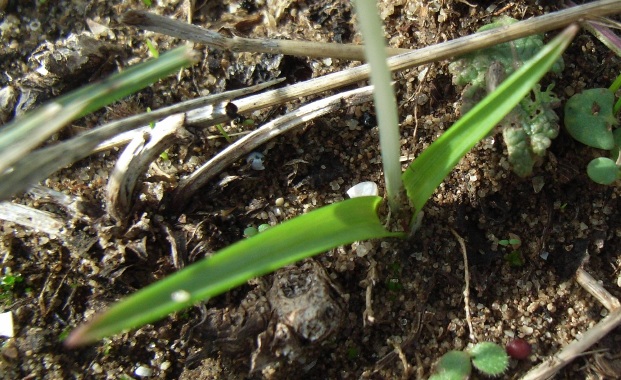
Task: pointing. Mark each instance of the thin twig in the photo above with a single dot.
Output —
(43, 162)
(462, 244)
(576, 348)
(368, 316)
(589, 284)
(135, 160)
(190, 184)
(536, 25)
(429, 54)
(176, 28)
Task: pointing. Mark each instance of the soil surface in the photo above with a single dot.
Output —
(368, 298)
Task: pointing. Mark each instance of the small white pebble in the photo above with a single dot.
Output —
(363, 189)
(180, 296)
(6, 325)
(165, 365)
(96, 368)
(363, 249)
(279, 202)
(143, 371)
(256, 159)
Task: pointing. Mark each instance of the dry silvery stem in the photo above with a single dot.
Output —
(135, 160)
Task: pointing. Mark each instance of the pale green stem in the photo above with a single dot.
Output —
(385, 102)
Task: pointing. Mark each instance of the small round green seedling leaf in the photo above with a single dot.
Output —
(250, 231)
(589, 118)
(454, 365)
(489, 358)
(603, 170)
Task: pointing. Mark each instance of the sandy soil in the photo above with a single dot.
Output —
(417, 293)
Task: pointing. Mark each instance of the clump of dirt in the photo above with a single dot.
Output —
(382, 309)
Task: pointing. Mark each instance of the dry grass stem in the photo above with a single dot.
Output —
(429, 54)
(536, 25)
(176, 28)
(589, 284)
(43, 162)
(582, 343)
(462, 245)
(135, 160)
(190, 184)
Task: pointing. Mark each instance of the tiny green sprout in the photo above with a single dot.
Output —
(64, 334)
(250, 231)
(514, 259)
(152, 49)
(164, 156)
(152, 123)
(487, 357)
(352, 353)
(394, 285)
(8, 283)
(226, 136)
(395, 267)
(147, 3)
(248, 122)
(107, 347)
(506, 242)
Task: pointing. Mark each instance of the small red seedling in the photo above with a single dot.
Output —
(518, 349)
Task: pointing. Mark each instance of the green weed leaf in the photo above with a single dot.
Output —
(304, 236)
(603, 170)
(427, 171)
(454, 365)
(489, 358)
(589, 118)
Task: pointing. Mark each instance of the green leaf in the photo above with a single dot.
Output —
(428, 170)
(603, 170)
(304, 236)
(589, 117)
(23, 134)
(454, 365)
(489, 358)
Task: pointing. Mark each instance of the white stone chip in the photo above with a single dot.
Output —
(6, 325)
(363, 189)
(256, 159)
(143, 371)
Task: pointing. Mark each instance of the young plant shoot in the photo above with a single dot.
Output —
(591, 118)
(384, 96)
(327, 227)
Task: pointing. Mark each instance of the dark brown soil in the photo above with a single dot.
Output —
(417, 297)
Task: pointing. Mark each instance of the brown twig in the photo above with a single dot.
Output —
(576, 348)
(462, 244)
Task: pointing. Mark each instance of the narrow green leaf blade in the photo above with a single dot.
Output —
(427, 171)
(20, 136)
(309, 234)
